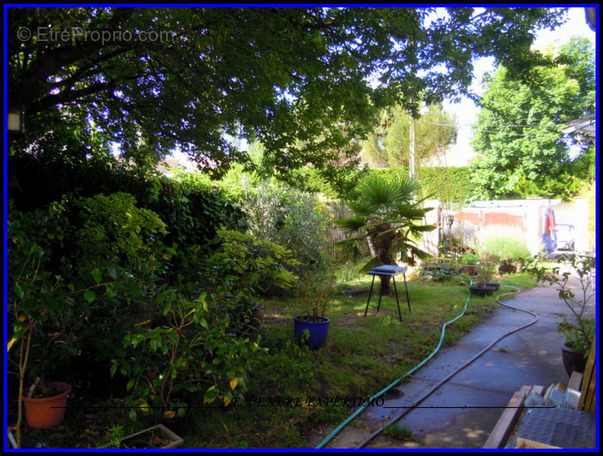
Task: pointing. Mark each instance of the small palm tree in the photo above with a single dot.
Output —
(387, 215)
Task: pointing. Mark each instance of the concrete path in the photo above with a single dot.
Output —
(462, 412)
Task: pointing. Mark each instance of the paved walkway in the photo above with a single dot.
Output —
(462, 412)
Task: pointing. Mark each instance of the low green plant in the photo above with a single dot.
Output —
(579, 331)
(485, 269)
(188, 352)
(315, 291)
(502, 243)
(399, 432)
(469, 258)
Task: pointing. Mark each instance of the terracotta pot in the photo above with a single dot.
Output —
(47, 412)
(470, 269)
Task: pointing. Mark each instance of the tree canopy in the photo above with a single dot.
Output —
(305, 82)
(519, 133)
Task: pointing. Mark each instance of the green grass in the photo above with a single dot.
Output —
(399, 432)
(362, 356)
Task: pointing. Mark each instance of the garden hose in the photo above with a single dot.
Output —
(421, 364)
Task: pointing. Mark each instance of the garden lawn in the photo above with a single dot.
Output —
(362, 356)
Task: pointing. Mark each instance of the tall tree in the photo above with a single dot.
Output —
(519, 132)
(389, 144)
(299, 80)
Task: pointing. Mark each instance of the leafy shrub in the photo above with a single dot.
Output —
(242, 264)
(122, 244)
(190, 354)
(296, 220)
(204, 346)
(503, 244)
(194, 211)
(40, 303)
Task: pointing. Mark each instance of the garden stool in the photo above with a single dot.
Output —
(388, 271)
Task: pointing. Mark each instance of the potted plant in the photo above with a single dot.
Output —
(315, 291)
(40, 309)
(45, 404)
(578, 329)
(469, 263)
(483, 285)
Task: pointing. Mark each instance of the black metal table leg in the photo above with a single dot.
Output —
(369, 296)
(397, 300)
(380, 296)
(406, 288)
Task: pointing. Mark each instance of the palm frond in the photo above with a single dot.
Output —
(351, 224)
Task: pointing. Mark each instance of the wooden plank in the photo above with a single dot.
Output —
(507, 420)
(537, 389)
(587, 398)
(525, 443)
(575, 381)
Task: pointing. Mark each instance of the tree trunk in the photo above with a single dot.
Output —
(383, 245)
(386, 288)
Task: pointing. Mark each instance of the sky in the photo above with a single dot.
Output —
(466, 111)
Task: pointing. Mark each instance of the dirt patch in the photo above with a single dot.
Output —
(355, 292)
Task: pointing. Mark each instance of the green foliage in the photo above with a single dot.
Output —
(442, 273)
(292, 218)
(502, 244)
(242, 263)
(189, 355)
(579, 331)
(519, 131)
(305, 92)
(578, 337)
(205, 345)
(194, 210)
(386, 213)
(469, 258)
(315, 290)
(116, 233)
(389, 144)
(451, 185)
(40, 303)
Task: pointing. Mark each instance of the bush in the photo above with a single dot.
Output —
(503, 244)
(296, 220)
(194, 211)
(189, 355)
(203, 347)
(241, 264)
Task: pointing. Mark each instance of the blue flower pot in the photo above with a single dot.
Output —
(316, 336)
